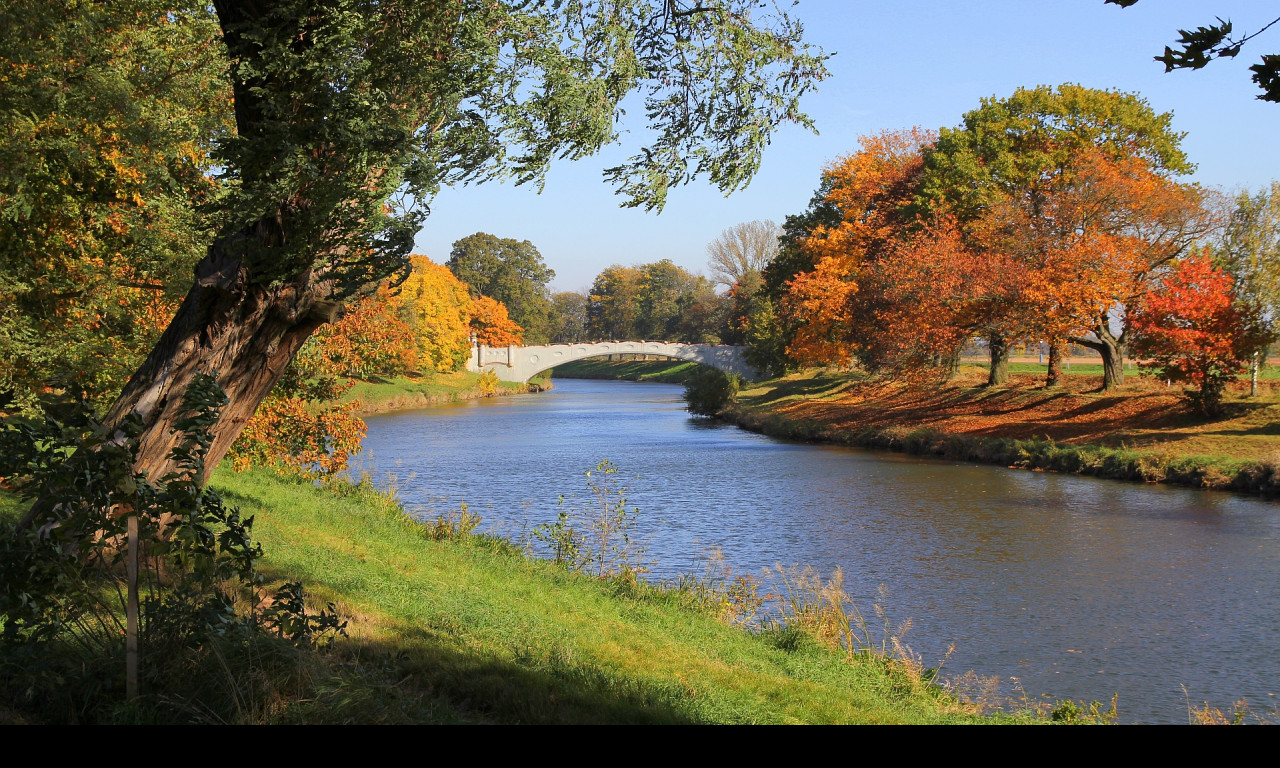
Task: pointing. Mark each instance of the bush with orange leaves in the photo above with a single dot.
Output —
(289, 434)
(300, 428)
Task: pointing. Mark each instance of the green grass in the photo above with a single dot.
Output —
(402, 392)
(668, 371)
(468, 629)
(11, 507)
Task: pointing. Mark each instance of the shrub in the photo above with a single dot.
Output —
(103, 544)
(597, 535)
(709, 390)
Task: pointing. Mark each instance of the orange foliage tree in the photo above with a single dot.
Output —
(1090, 241)
(925, 297)
(1076, 184)
(369, 340)
(871, 189)
(1191, 331)
(491, 325)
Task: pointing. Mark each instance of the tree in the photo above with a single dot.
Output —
(613, 307)
(703, 313)
(346, 111)
(924, 297)
(866, 207)
(509, 271)
(741, 250)
(110, 111)
(792, 258)
(1250, 250)
(1191, 330)
(765, 330)
(1202, 45)
(437, 308)
(1088, 241)
(1016, 153)
(569, 317)
(665, 292)
(492, 326)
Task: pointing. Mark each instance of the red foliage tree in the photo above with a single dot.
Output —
(1190, 330)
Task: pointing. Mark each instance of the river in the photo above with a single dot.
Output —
(1064, 587)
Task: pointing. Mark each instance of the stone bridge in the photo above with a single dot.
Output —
(521, 363)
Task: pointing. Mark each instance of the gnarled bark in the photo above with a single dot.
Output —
(243, 333)
(1057, 351)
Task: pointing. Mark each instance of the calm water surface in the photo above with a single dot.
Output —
(1073, 587)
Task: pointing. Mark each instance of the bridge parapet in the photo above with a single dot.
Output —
(521, 363)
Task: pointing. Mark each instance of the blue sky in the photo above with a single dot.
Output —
(899, 64)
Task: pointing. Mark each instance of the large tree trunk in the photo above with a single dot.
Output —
(1057, 351)
(999, 349)
(244, 334)
(1112, 349)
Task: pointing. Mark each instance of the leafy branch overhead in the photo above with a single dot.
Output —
(337, 121)
(1202, 45)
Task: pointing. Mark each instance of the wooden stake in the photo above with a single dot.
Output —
(131, 615)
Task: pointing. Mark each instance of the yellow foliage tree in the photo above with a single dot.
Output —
(436, 305)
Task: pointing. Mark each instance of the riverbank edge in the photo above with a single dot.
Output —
(1033, 453)
(659, 371)
(405, 394)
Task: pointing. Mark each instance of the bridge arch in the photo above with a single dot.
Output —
(515, 363)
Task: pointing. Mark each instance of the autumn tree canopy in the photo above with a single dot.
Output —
(868, 194)
(491, 325)
(110, 112)
(348, 113)
(1012, 163)
(437, 308)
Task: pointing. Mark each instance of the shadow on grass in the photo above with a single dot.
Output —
(428, 674)
(446, 684)
(808, 388)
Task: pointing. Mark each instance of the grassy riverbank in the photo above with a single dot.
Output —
(446, 627)
(407, 392)
(666, 371)
(452, 628)
(1142, 431)
(466, 628)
